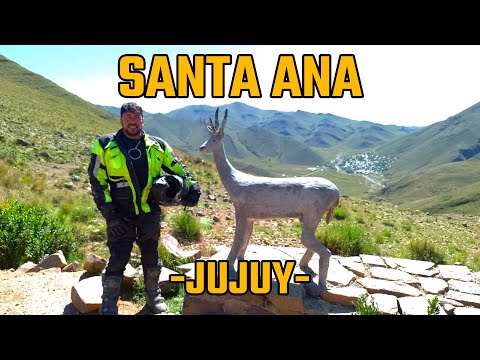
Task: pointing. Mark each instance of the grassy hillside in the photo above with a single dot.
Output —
(448, 188)
(40, 121)
(46, 134)
(436, 168)
(438, 181)
(451, 140)
(461, 200)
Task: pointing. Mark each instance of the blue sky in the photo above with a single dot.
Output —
(402, 84)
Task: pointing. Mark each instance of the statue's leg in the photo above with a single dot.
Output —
(246, 238)
(309, 225)
(240, 241)
(310, 241)
(323, 266)
(307, 256)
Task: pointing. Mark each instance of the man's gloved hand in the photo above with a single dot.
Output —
(116, 223)
(192, 197)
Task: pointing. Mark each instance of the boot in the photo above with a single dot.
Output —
(155, 303)
(111, 291)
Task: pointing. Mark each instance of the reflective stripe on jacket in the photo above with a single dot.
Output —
(112, 181)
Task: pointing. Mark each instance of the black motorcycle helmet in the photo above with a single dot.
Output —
(169, 190)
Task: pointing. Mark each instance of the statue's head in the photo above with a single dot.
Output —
(216, 133)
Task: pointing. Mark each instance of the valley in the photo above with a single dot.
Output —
(399, 186)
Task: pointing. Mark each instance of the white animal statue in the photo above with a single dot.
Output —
(258, 197)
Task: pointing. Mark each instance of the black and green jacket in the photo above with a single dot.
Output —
(112, 177)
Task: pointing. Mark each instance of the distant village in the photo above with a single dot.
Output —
(366, 164)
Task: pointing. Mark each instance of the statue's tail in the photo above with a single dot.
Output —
(331, 210)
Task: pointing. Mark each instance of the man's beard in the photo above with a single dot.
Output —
(132, 132)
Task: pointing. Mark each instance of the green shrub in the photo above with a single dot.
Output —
(186, 226)
(27, 233)
(340, 213)
(475, 265)
(170, 261)
(11, 155)
(388, 223)
(346, 240)
(365, 308)
(387, 233)
(174, 299)
(423, 250)
(175, 295)
(139, 291)
(83, 214)
(407, 226)
(379, 239)
(459, 256)
(433, 306)
(206, 223)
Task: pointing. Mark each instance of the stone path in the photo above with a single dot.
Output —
(393, 285)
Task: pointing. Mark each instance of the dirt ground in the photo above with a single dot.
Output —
(44, 293)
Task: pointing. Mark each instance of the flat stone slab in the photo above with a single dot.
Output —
(185, 268)
(422, 272)
(258, 252)
(464, 287)
(337, 274)
(343, 295)
(386, 304)
(388, 287)
(433, 285)
(465, 299)
(457, 272)
(408, 263)
(466, 311)
(352, 264)
(417, 305)
(372, 260)
(393, 275)
(443, 300)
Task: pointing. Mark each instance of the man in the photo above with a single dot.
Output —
(122, 169)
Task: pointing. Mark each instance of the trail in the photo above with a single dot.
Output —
(374, 183)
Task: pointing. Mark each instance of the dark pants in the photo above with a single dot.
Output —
(145, 231)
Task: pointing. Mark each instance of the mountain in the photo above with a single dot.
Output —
(315, 130)
(318, 131)
(454, 139)
(41, 120)
(252, 145)
(270, 135)
(327, 130)
(436, 168)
